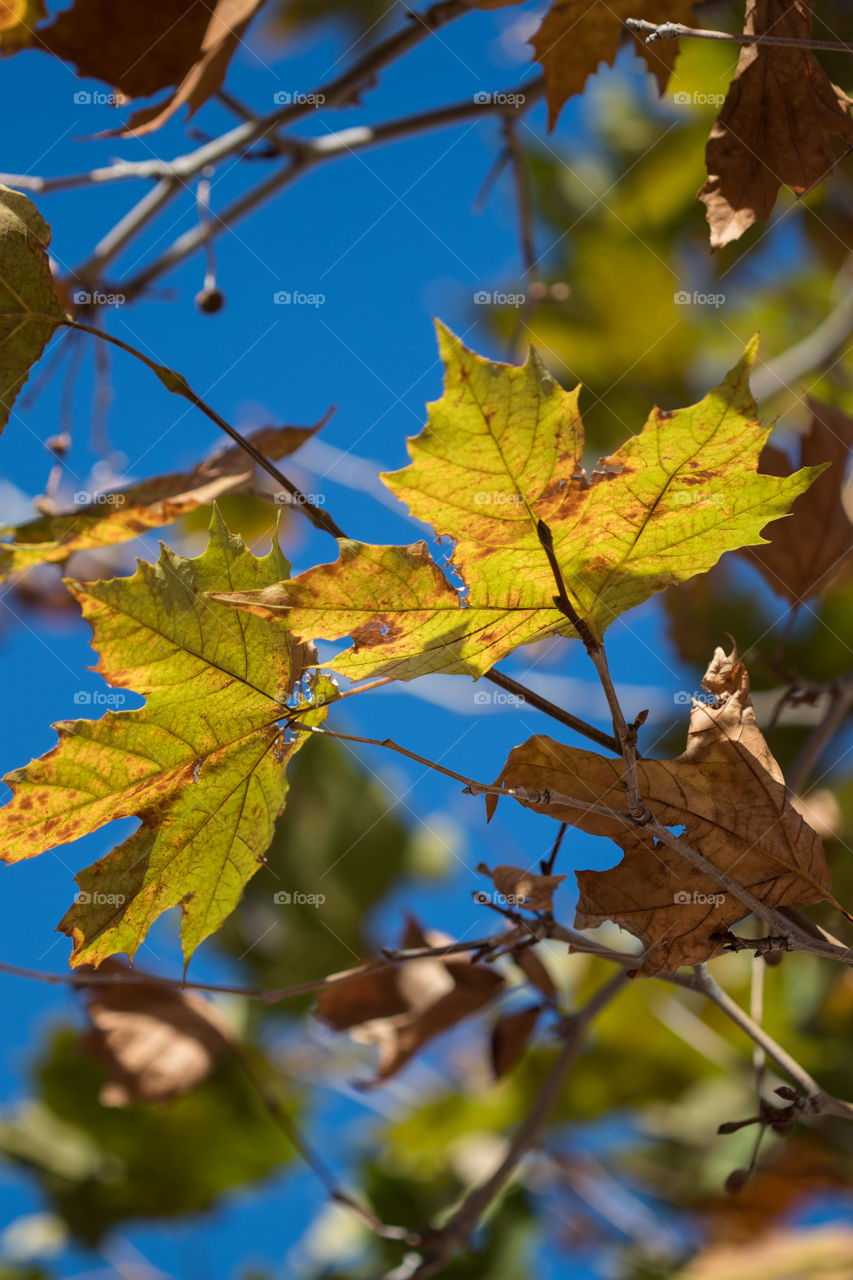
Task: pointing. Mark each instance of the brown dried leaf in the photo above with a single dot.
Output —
(811, 547)
(156, 1042)
(524, 888)
(535, 972)
(510, 1037)
(411, 1005)
(141, 49)
(726, 790)
(126, 513)
(775, 125)
(576, 36)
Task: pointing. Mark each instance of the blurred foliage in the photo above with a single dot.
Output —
(341, 838)
(101, 1165)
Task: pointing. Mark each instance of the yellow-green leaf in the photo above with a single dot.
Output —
(30, 306)
(501, 452)
(202, 764)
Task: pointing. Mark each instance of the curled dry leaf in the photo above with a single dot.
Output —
(510, 1037)
(155, 1041)
(30, 306)
(775, 125)
(401, 1009)
(520, 888)
(727, 793)
(149, 505)
(811, 548)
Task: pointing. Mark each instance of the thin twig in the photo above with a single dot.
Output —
(677, 31)
(176, 383)
(306, 154)
(442, 1244)
(551, 709)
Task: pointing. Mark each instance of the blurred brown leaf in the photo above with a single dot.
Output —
(775, 125)
(156, 1041)
(811, 547)
(409, 1005)
(510, 1037)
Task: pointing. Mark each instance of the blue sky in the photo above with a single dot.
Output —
(389, 239)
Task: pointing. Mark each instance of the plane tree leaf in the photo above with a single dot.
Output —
(501, 452)
(140, 49)
(727, 792)
(576, 36)
(123, 514)
(202, 764)
(775, 125)
(30, 306)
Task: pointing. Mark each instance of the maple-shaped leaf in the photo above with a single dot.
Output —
(202, 764)
(501, 452)
(576, 36)
(810, 549)
(156, 1041)
(728, 794)
(775, 125)
(400, 1010)
(123, 514)
(142, 49)
(30, 306)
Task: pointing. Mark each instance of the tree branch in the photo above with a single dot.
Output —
(676, 31)
(442, 1244)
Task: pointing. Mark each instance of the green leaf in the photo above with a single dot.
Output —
(501, 452)
(202, 764)
(30, 306)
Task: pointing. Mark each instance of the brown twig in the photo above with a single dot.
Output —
(440, 1245)
(677, 31)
